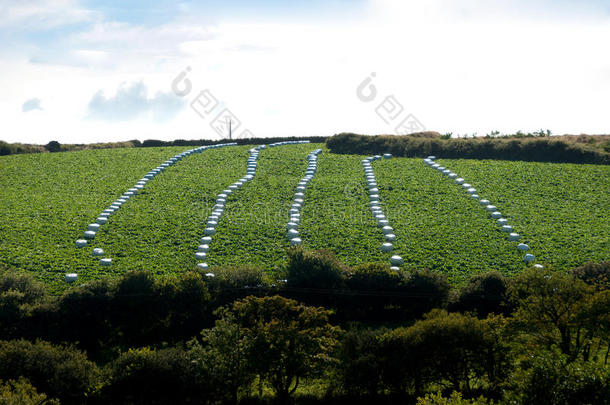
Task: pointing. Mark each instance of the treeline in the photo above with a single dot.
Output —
(54, 146)
(328, 334)
(539, 149)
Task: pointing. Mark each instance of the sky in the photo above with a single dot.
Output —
(83, 71)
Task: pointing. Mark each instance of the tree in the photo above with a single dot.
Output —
(53, 146)
(290, 341)
(223, 357)
(444, 348)
(553, 310)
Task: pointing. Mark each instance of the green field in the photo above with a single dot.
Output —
(561, 210)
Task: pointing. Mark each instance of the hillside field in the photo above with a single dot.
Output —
(561, 210)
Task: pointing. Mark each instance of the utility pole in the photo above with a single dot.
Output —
(230, 131)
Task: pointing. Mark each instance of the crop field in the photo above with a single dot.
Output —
(562, 211)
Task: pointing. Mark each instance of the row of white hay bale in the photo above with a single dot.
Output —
(219, 208)
(377, 211)
(221, 199)
(487, 205)
(292, 228)
(103, 217)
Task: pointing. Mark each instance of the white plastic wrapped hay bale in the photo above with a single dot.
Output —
(292, 233)
(491, 208)
(106, 262)
(209, 231)
(523, 247)
(507, 228)
(295, 241)
(374, 191)
(204, 266)
(496, 215)
(538, 266)
(291, 225)
(459, 180)
(383, 222)
(212, 224)
(446, 172)
(502, 221)
(200, 255)
(452, 175)
(466, 186)
(387, 247)
(441, 168)
(474, 196)
(101, 220)
(387, 229)
(471, 190)
(109, 211)
(299, 195)
(484, 202)
(70, 277)
(81, 243)
(387, 156)
(206, 240)
(97, 252)
(513, 237)
(431, 157)
(203, 248)
(396, 260)
(529, 258)
(93, 227)
(89, 234)
(390, 237)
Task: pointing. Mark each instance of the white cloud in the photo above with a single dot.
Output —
(131, 102)
(42, 14)
(31, 104)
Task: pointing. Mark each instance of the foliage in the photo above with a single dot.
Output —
(558, 311)
(484, 293)
(539, 147)
(455, 399)
(60, 372)
(290, 341)
(596, 274)
(548, 379)
(53, 146)
(317, 269)
(148, 376)
(21, 392)
(449, 349)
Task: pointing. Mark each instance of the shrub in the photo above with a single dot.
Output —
(53, 146)
(147, 376)
(549, 379)
(532, 148)
(60, 372)
(317, 269)
(21, 392)
(484, 294)
(455, 399)
(595, 274)
(19, 293)
(358, 366)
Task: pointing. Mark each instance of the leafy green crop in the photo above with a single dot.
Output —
(561, 211)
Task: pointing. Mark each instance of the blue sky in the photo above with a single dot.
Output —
(90, 71)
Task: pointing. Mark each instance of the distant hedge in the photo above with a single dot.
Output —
(53, 146)
(544, 149)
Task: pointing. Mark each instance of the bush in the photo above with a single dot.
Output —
(358, 365)
(317, 269)
(524, 148)
(60, 372)
(147, 376)
(595, 274)
(21, 392)
(484, 294)
(443, 348)
(53, 146)
(549, 379)
(19, 293)
(455, 399)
